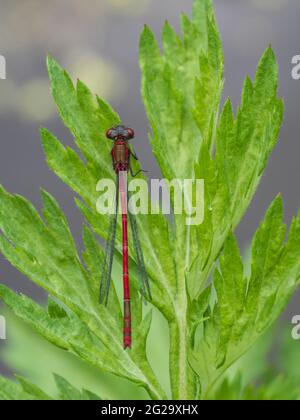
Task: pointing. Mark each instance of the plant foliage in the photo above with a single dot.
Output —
(25, 390)
(211, 323)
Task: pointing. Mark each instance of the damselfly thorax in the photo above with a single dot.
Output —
(120, 154)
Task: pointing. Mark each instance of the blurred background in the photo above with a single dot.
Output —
(97, 41)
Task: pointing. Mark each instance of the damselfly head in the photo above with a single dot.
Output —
(120, 132)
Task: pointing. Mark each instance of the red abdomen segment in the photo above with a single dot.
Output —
(126, 288)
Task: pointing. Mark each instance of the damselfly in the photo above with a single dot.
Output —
(121, 155)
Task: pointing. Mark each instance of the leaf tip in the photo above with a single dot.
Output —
(52, 64)
(49, 59)
(43, 131)
(269, 57)
(147, 35)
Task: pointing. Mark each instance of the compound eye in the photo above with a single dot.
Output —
(111, 133)
(130, 133)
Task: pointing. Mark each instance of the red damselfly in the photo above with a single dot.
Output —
(121, 155)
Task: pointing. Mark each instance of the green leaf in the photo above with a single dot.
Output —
(266, 250)
(275, 388)
(247, 142)
(66, 390)
(231, 291)
(55, 310)
(72, 334)
(212, 320)
(10, 390)
(28, 391)
(94, 259)
(38, 251)
(69, 167)
(246, 308)
(83, 116)
(83, 180)
(57, 223)
(89, 396)
(33, 390)
(243, 146)
(25, 352)
(174, 84)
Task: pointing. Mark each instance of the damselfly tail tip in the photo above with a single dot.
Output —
(127, 345)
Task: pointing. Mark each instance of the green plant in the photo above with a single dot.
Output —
(28, 391)
(252, 377)
(211, 323)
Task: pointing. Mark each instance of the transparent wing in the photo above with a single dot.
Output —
(109, 251)
(143, 277)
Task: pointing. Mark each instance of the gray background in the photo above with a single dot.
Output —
(97, 41)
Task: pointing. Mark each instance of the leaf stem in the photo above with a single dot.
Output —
(182, 377)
